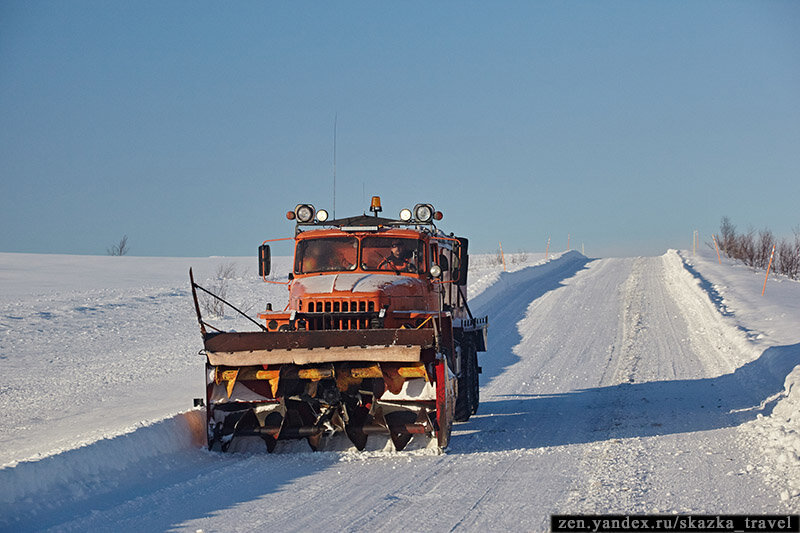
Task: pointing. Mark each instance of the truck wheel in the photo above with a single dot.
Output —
(475, 387)
(464, 401)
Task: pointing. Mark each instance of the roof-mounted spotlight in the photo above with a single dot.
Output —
(304, 212)
(405, 215)
(322, 215)
(423, 212)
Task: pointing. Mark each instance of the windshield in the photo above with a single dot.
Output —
(326, 255)
(391, 254)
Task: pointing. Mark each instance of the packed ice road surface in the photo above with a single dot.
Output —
(634, 385)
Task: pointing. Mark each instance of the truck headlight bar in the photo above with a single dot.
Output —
(421, 214)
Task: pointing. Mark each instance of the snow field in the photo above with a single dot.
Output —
(661, 384)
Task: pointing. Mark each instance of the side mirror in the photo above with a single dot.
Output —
(264, 260)
(463, 263)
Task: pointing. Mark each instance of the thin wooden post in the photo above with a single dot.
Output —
(547, 250)
(768, 267)
(714, 237)
(502, 256)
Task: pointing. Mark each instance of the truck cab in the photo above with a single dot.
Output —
(371, 276)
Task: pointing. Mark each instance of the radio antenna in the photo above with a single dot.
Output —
(335, 118)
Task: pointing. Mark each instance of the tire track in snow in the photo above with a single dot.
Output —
(664, 385)
(652, 343)
(613, 464)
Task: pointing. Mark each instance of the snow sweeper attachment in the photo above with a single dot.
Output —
(376, 338)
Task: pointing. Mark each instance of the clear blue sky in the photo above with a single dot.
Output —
(193, 127)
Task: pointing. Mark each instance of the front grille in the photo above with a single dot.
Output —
(338, 314)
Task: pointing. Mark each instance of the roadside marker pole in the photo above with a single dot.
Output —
(717, 248)
(568, 242)
(502, 256)
(547, 250)
(768, 267)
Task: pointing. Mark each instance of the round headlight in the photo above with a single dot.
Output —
(304, 212)
(435, 271)
(322, 215)
(423, 212)
(405, 215)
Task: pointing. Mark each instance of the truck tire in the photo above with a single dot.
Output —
(464, 401)
(475, 387)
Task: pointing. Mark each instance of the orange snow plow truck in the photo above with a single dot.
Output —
(377, 338)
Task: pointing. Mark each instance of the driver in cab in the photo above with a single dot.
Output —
(399, 259)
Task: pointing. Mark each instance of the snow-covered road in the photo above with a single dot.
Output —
(611, 386)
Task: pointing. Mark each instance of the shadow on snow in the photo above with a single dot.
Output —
(631, 409)
(713, 294)
(621, 411)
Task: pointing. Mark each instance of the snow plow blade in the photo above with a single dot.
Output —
(326, 346)
(315, 384)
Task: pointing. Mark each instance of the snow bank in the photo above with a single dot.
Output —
(783, 433)
(768, 322)
(716, 331)
(485, 270)
(778, 437)
(94, 469)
